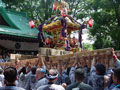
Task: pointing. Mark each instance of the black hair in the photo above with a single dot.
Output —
(10, 74)
(117, 73)
(1, 71)
(68, 70)
(79, 74)
(33, 69)
(101, 69)
(23, 70)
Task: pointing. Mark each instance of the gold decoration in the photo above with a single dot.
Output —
(62, 5)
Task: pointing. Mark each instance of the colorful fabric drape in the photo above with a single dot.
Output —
(40, 34)
(67, 45)
(64, 24)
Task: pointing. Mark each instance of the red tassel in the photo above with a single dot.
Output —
(61, 38)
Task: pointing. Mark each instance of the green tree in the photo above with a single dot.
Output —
(87, 46)
(42, 9)
(106, 29)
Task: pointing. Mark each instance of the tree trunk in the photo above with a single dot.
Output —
(117, 15)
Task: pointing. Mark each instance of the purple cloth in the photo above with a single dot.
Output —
(64, 24)
(67, 45)
(40, 34)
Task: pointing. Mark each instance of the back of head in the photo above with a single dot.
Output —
(40, 73)
(10, 74)
(79, 74)
(101, 69)
(40, 70)
(68, 70)
(52, 74)
(117, 73)
(33, 69)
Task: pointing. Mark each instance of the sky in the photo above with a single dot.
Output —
(84, 36)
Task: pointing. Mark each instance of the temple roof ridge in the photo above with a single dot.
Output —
(2, 4)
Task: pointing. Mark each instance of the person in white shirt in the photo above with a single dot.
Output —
(1, 59)
(40, 77)
(1, 77)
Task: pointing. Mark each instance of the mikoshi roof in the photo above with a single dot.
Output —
(54, 25)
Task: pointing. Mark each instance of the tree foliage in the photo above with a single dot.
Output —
(41, 9)
(87, 46)
(106, 29)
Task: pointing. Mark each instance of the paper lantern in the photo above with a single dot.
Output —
(90, 22)
(54, 6)
(31, 24)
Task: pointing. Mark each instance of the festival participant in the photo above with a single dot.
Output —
(40, 77)
(1, 59)
(64, 77)
(32, 79)
(10, 74)
(111, 83)
(1, 77)
(28, 67)
(52, 78)
(25, 74)
(98, 77)
(79, 84)
(116, 60)
(48, 41)
(97, 73)
(72, 74)
(23, 78)
(74, 41)
(116, 78)
(7, 57)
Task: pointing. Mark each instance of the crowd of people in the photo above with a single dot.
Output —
(4, 57)
(97, 77)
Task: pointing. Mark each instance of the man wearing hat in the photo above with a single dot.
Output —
(41, 78)
(52, 78)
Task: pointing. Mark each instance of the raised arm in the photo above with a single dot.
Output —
(117, 61)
